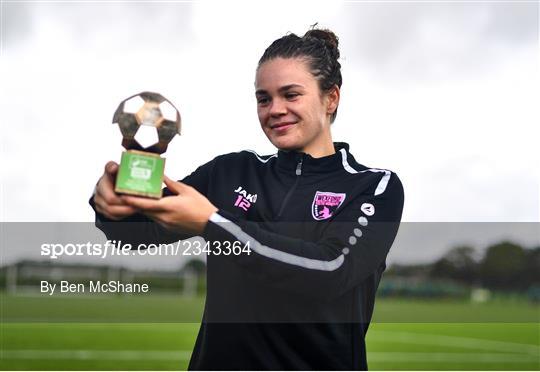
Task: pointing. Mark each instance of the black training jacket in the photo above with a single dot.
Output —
(318, 232)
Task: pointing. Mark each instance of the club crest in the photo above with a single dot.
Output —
(325, 204)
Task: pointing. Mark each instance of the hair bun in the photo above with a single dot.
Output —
(328, 37)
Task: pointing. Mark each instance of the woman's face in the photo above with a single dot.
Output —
(293, 113)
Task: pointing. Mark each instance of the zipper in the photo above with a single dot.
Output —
(298, 173)
(299, 167)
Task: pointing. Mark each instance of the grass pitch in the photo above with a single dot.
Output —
(109, 339)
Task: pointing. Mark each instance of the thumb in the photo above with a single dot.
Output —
(111, 168)
(174, 186)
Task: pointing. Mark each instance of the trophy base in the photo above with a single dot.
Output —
(140, 174)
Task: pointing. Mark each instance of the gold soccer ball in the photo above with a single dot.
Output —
(148, 122)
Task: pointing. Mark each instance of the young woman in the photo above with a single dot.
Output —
(314, 226)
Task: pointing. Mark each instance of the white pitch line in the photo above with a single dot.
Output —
(380, 357)
(96, 354)
(120, 327)
(462, 342)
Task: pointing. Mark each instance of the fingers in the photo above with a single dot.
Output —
(147, 205)
(105, 190)
(110, 209)
(115, 212)
(176, 187)
(105, 185)
(116, 206)
(107, 202)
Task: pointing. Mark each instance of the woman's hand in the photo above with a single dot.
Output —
(106, 201)
(187, 211)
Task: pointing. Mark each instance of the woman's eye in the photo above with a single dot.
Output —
(262, 100)
(291, 95)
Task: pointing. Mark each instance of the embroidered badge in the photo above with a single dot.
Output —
(325, 204)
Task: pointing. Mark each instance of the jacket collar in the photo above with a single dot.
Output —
(289, 160)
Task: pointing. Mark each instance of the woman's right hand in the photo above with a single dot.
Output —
(106, 201)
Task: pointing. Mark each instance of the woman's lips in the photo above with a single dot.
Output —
(281, 127)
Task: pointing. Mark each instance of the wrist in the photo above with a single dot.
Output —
(211, 211)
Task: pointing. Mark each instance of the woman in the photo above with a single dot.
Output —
(314, 225)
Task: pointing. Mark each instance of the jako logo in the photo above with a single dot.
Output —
(244, 199)
(368, 209)
(325, 204)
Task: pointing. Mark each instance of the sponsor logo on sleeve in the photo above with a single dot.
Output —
(368, 209)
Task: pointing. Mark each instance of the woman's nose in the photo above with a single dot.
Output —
(278, 107)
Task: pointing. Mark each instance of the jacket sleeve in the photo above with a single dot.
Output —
(139, 229)
(353, 246)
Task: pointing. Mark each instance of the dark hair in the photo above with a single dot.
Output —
(320, 49)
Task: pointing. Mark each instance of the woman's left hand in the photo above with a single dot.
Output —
(187, 211)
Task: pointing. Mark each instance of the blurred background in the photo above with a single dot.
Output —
(443, 93)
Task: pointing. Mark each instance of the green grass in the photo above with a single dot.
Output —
(453, 346)
(132, 333)
(106, 308)
(73, 346)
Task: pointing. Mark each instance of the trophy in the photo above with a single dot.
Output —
(148, 122)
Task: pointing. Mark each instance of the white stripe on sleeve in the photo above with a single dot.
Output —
(275, 254)
(381, 187)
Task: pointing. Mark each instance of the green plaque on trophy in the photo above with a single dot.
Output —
(148, 122)
(140, 174)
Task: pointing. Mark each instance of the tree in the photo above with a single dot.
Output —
(503, 266)
(531, 274)
(458, 264)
